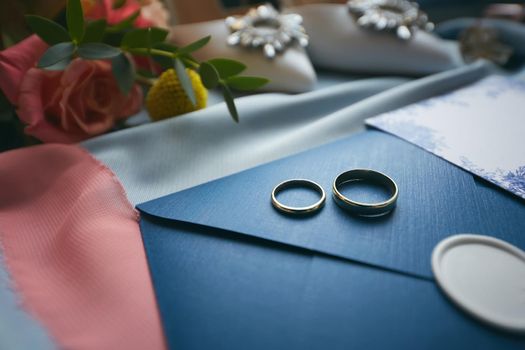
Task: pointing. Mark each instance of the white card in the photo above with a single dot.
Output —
(480, 128)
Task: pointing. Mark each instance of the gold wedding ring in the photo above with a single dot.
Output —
(310, 209)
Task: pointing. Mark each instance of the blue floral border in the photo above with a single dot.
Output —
(429, 139)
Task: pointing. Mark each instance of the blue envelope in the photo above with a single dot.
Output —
(230, 272)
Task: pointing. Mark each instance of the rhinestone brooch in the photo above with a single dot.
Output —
(399, 16)
(265, 27)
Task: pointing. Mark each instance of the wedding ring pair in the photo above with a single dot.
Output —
(354, 207)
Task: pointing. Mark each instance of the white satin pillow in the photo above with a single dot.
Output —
(337, 42)
(290, 71)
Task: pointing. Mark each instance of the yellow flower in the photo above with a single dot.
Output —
(166, 98)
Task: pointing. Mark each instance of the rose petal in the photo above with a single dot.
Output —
(31, 110)
(104, 9)
(71, 103)
(16, 61)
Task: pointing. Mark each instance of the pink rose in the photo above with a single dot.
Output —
(14, 63)
(63, 106)
(73, 105)
(97, 9)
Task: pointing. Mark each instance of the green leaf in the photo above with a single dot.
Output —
(113, 38)
(75, 20)
(227, 68)
(135, 38)
(95, 31)
(246, 83)
(60, 65)
(49, 31)
(194, 46)
(118, 4)
(165, 46)
(209, 75)
(188, 60)
(124, 73)
(55, 54)
(125, 23)
(97, 51)
(228, 98)
(157, 35)
(185, 81)
(144, 37)
(164, 62)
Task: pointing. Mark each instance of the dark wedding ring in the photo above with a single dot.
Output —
(298, 210)
(365, 209)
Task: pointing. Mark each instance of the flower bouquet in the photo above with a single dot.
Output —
(69, 82)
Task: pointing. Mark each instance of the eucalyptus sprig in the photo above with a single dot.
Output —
(96, 40)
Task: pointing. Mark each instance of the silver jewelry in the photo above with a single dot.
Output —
(365, 209)
(400, 16)
(298, 210)
(265, 27)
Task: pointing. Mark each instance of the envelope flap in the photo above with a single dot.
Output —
(436, 200)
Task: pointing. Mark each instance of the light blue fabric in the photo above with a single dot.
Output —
(160, 158)
(18, 330)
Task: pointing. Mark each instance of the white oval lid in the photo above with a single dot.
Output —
(484, 276)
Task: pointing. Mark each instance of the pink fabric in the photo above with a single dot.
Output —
(72, 245)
